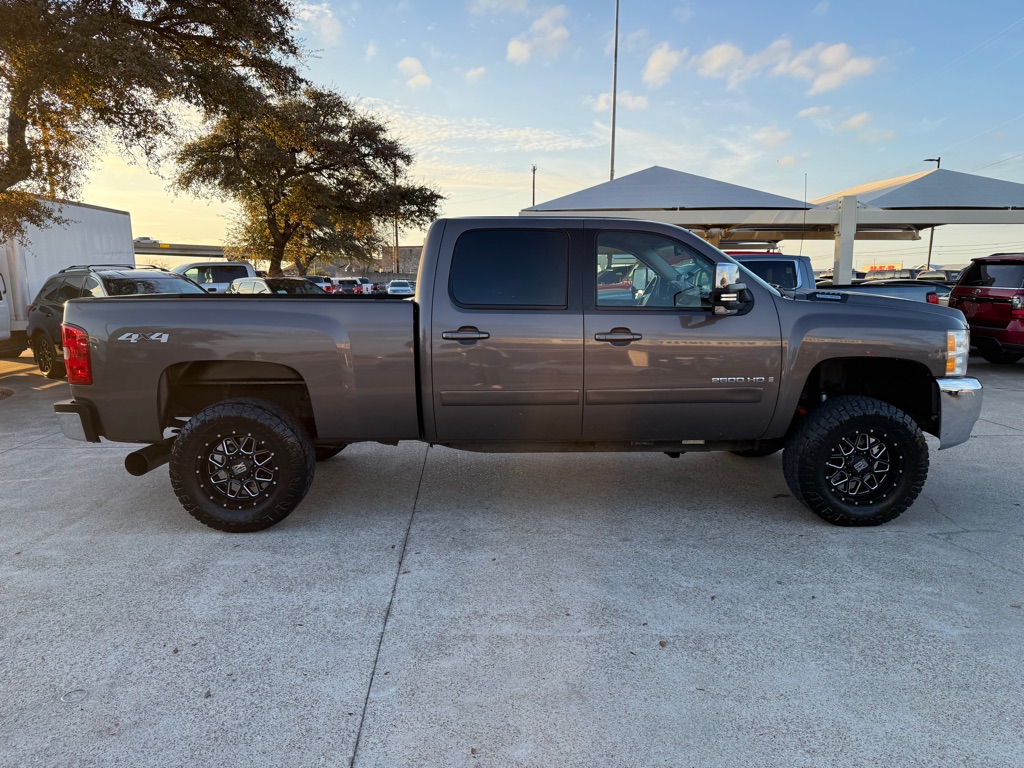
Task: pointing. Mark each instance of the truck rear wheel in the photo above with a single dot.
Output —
(856, 461)
(241, 465)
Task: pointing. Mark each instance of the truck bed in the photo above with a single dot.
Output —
(352, 363)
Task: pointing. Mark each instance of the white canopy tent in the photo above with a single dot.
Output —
(894, 209)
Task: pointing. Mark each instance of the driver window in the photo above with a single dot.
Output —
(640, 269)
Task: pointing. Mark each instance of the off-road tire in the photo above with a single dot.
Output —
(241, 465)
(856, 461)
(766, 448)
(1000, 356)
(45, 353)
(325, 452)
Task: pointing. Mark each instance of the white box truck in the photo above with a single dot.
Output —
(92, 235)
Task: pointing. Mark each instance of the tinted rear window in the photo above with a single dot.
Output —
(776, 272)
(995, 274)
(511, 268)
(148, 284)
(294, 287)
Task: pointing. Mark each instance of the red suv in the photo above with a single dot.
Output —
(990, 293)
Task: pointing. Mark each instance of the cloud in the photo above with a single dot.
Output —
(547, 37)
(626, 100)
(371, 51)
(770, 136)
(481, 7)
(861, 124)
(857, 122)
(440, 134)
(828, 67)
(518, 52)
(720, 61)
(821, 9)
(683, 14)
(814, 112)
(413, 69)
(320, 20)
(786, 160)
(661, 64)
(476, 74)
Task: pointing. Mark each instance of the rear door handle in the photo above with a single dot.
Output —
(618, 334)
(465, 333)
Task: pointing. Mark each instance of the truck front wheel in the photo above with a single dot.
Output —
(241, 465)
(856, 461)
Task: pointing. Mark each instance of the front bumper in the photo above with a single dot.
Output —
(77, 420)
(959, 409)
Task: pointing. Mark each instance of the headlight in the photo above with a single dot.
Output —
(957, 346)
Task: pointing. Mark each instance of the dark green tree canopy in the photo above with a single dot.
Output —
(312, 174)
(74, 72)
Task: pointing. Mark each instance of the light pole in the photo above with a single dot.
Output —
(615, 87)
(931, 234)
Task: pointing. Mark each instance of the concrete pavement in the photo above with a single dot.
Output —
(425, 607)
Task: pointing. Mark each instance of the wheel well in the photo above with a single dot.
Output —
(187, 388)
(906, 384)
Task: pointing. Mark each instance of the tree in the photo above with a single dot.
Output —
(312, 174)
(76, 72)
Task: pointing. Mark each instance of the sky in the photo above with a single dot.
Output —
(789, 97)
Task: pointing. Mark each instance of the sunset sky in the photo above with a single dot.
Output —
(766, 95)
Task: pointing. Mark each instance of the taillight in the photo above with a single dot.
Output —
(1017, 308)
(76, 354)
(932, 297)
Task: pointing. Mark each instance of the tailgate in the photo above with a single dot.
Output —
(984, 307)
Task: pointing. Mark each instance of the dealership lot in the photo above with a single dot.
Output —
(429, 607)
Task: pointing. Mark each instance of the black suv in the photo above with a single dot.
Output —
(46, 311)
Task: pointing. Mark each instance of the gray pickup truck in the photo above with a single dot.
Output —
(527, 335)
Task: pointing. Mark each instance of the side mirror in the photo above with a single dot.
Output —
(729, 295)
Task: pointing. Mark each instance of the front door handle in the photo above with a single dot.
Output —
(465, 333)
(618, 335)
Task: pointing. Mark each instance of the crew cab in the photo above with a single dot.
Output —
(513, 344)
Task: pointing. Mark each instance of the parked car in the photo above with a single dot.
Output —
(990, 293)
(914, 290)
(347, 285)
(400, 288)
(940, 275)
(215, 276)
(324, 282)
(46, 311)
(275, 285)
(892, 274)
(788, 272)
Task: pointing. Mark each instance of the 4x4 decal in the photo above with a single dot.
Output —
(135, 337)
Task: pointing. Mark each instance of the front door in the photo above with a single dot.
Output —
(507, 336)
(659, 365)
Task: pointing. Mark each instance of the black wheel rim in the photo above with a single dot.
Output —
(46, 355)
(863, 467)
(237, 471)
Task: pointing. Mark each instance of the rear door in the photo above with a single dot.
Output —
(986, 290)
(506, 334)
(659, 365)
